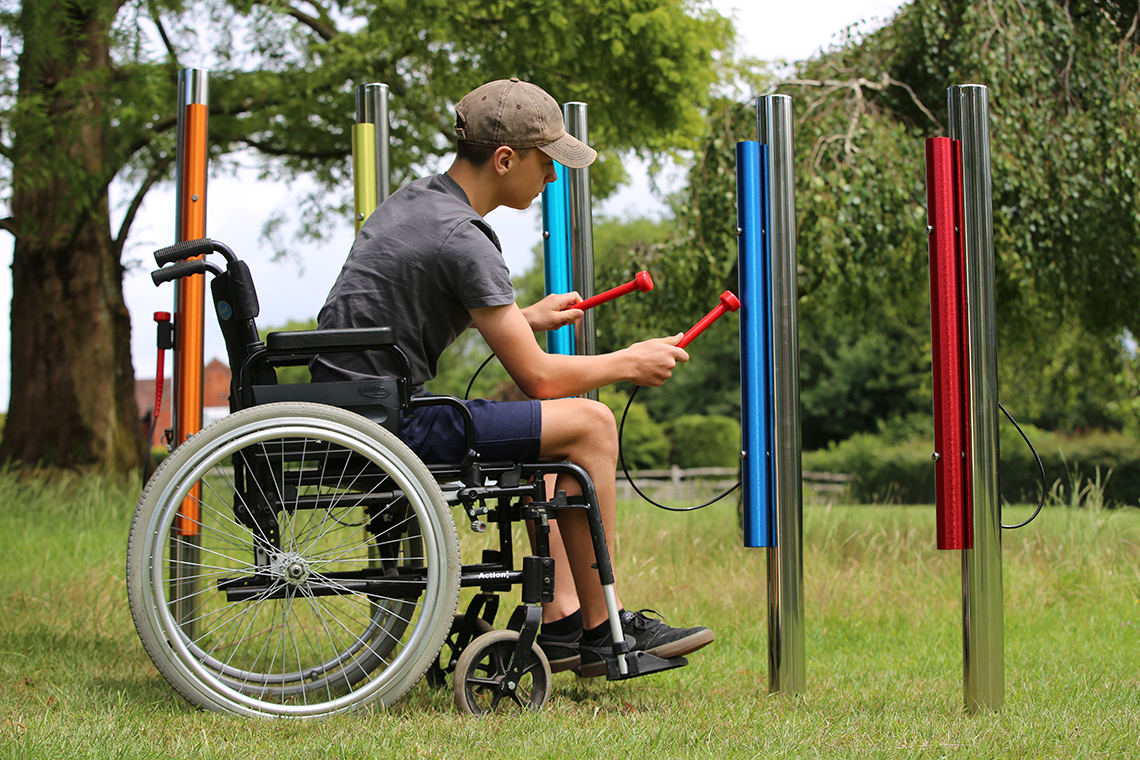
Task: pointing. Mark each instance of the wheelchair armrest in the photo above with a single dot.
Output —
(330, 341)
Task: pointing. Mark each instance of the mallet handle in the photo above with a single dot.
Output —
(642, 282)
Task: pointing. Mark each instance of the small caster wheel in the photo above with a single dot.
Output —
(481, 684)
(453, 647)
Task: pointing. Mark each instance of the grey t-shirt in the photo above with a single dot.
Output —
(419, 262)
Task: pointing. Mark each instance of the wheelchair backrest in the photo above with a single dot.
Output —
(235, 303)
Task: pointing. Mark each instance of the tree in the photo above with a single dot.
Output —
(1065, 132)
(1065, 154)
(93, 101)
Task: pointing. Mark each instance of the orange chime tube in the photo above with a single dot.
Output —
(191, 291)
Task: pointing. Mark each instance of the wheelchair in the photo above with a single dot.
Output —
(296, 559)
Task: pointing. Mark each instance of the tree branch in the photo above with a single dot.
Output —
(154, 175)
(8, 224)
(170, 51)
(271, 150)
(320, 24)
(1132, 29)
(856, 86)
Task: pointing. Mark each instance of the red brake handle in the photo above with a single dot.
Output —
(642, 282)
(728, 302)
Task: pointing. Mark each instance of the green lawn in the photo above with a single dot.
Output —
(884, 648)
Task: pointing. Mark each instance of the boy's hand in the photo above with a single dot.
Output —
(548, 313)
(651, 362)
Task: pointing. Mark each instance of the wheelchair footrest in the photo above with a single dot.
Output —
(641, 664)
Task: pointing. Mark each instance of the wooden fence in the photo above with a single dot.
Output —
(704, 482)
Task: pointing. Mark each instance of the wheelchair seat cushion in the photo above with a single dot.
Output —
(504, 431)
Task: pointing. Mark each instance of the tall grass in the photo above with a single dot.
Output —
(883, 629)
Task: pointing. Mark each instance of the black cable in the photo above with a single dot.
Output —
(486, 361)
(629, 478)
(621, 455)
(1040, 465)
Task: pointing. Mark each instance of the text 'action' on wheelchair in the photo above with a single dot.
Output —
(296, 559)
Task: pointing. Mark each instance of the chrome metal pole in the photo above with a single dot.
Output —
(785, 561)
(982, 600)
(193, 87)
(581, 232)
(372, 108)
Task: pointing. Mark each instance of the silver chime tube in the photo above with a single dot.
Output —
(372, 108)
(982, 614)
(785, 560)
(581, 232)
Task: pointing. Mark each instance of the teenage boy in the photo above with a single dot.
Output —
(426, 264)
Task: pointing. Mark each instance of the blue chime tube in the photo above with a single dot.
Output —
(556, 254)
(755, 344)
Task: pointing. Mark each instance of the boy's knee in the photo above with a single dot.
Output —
(596, 424)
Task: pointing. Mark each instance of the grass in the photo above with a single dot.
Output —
(883, 630)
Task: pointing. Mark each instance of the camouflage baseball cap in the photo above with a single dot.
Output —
(519, 115)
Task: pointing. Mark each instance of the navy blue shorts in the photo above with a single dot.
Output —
(504, 431)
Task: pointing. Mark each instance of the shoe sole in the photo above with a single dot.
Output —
(677, 648)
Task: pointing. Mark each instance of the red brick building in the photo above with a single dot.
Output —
(215, 399)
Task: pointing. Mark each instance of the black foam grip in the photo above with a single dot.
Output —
(183, 269)
(184, 250)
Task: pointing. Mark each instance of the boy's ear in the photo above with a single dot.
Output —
(503, 159)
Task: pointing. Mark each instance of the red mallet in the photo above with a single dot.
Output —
(642, 282)
(728, 302)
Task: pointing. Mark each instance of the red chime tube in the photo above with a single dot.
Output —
(949, 343)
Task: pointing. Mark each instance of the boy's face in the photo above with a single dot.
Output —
(526, 178)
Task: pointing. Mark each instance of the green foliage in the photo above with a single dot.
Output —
(643, 441)
(885, 473)
(895, 466)
(93, 96)
(298, 374)
(854, 381)
(1066, 214)
(705, 441)
(460, 363)
(1065, 155)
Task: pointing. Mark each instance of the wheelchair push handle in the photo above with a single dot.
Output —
(642, 281)
(183, 269)
(728, 302)
(188, 249)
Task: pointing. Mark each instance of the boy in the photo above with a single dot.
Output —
(426, 264)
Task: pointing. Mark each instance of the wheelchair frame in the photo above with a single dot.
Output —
(296, 559)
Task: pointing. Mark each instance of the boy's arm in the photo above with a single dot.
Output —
(542, 375)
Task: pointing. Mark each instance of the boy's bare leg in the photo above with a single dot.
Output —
(584, 432)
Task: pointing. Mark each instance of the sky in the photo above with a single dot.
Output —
(238, 204)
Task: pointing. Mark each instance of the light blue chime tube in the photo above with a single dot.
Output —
(556, 255)
(754, 266)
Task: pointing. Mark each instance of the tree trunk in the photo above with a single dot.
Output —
(72, 401)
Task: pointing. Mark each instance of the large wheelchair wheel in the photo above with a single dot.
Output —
(292, 560)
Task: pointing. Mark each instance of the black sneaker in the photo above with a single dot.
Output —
(644, 634)
(561, 651)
